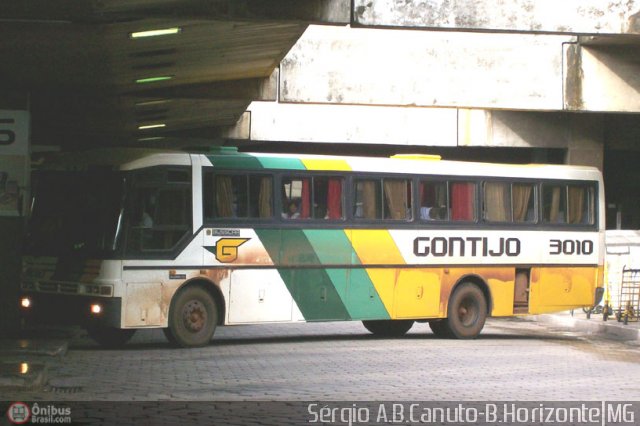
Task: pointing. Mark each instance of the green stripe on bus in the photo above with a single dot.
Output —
(281, 163)
(311, 288)
(353, 285)
(236, 161)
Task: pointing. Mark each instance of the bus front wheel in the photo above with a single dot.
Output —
(388, 328)
(467, 311)
(193, 317)
(110, 337)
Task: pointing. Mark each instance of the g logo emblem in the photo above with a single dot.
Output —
(227, 249)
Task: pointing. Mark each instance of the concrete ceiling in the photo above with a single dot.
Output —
(75, 66)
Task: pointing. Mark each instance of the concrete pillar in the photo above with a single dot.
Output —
(10, 253)
(14, 126)
(586, 141)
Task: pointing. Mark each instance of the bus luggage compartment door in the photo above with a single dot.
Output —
(258, 295)
(143, 305)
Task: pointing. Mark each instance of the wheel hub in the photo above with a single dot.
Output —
(194, 316)
(468, 312)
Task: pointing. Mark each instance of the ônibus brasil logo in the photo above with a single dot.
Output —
(19, 413)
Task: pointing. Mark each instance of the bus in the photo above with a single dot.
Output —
(187, 242)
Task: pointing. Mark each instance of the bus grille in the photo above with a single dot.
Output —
(58, 287)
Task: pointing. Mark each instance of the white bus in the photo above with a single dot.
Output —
(121, 241)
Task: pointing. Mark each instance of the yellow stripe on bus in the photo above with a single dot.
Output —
(322, 164)
(376, 247)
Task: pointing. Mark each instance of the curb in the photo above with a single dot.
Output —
(22, 375)
(31, 347)
(610, 329)
(25, 356)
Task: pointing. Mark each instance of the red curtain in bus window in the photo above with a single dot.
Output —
(462, 194)
(305, 207)
(428, 194)
(334, 199)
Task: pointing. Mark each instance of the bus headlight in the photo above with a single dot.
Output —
(96, 308)
(25, 302)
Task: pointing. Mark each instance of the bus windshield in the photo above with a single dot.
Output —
(75, 212)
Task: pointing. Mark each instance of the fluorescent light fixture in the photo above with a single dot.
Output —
(155, 33)
(153, 79)
(152, 126)
(150, 139)
(152, 102)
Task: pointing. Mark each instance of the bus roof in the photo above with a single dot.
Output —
(403, 164)
(131, 159)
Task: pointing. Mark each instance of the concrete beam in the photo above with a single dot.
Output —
(317, 11)
(513, 129)
(271, 121)
(339, 65)
(566, 16)
(611, 78)
(582, 135)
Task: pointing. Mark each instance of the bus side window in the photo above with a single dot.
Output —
(327, 198)
(433, 201)
(497, 202)
(554, 203)
(580, 205)
(237, 196)
(296, 198)
(462, 196)
(397, 197)
(260, 196)
(161, 211)
(230, 196)
(173, 217)
(368, 202)
(524, 202)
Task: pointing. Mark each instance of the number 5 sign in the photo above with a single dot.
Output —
(14, 132)
(14, 161)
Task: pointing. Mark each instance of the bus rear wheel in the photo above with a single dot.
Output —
(388, 328)
(193, 317)
(467, 311)
(110, 337)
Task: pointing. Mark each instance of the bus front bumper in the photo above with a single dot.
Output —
(44, 308)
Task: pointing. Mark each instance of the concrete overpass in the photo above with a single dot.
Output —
(461, 73)
(501, 77)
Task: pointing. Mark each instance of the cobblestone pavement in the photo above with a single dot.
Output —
(513, 359)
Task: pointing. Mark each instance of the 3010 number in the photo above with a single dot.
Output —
(570, 247)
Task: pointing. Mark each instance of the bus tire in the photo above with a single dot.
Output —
(388, 328)
(110, 337)
(193, 317)
(169, 336)
(467, 311)
(440, 328)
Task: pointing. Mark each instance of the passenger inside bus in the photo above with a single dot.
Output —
(292, 211)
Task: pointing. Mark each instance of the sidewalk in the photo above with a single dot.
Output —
(611, 329)
(25, 355)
